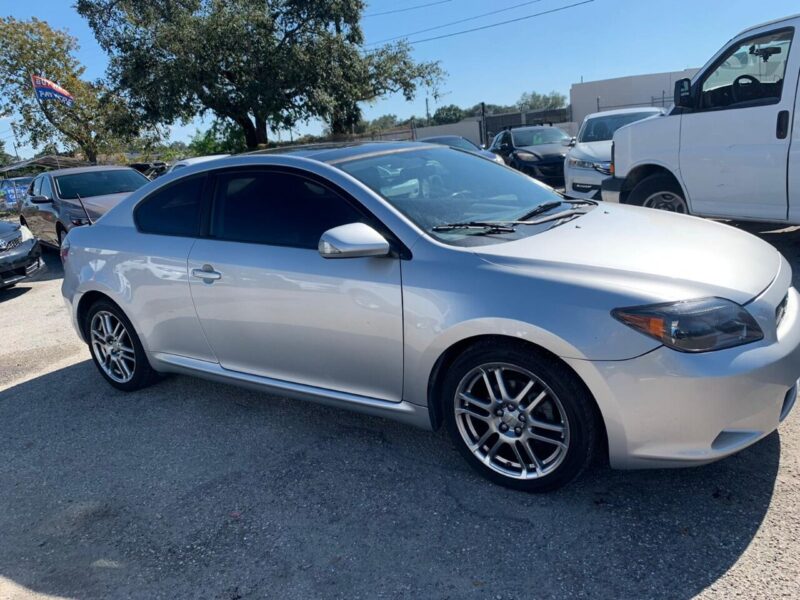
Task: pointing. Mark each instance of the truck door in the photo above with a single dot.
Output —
(735, 142)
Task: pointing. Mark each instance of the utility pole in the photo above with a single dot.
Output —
(427, 112)
(484, 135)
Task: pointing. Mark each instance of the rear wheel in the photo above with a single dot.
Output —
(659, 191)
(116, 350)
(520, 418)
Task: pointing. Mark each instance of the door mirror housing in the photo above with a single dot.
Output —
(571, 142)
(683, 93)
(354, 240)
(40, 199)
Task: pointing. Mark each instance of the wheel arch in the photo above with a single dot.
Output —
(449, 355)
(641, 172)
(86, 301)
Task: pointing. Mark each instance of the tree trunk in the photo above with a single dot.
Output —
(91, 155)
(261, 131)
(250, 134)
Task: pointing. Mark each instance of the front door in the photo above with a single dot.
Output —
(270, 305)
(735, 143)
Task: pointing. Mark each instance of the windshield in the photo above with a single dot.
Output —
(435, 187)
(601, 129)
(99, 183)
(455, 142)
(537, 137)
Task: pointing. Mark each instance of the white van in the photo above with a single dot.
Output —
(725, 149)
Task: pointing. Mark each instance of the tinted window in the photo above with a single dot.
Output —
(99, 183)
(173, 210)
(281, 209)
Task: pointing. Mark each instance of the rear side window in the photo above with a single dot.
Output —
(276, 208)
(173, 210)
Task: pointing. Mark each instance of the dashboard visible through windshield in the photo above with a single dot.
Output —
(435, 187)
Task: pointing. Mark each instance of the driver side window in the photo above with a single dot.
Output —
(750, 74)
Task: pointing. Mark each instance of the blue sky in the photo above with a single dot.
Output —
(605, 38)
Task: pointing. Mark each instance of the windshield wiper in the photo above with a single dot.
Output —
(540, 209)
(487, 225)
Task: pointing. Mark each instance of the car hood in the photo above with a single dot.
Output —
(592, 151)
(7, 228)
(97, 206)
(645, 254)
(547, 150)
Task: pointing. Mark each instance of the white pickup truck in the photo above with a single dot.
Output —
(730, 147)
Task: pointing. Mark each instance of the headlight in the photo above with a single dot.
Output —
(580, 164)
(693, 325)
(527, 156)
(26, 233)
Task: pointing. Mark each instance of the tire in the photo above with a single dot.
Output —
(555, 399)
(659, 191)
(121, 348)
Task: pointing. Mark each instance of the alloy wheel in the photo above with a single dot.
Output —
(112, 346)
(511, 421)
(666, 201)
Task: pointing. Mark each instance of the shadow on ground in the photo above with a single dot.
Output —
(192, 489)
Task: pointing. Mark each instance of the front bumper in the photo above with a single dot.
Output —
(548, 171)
(20, 263)
(583, 183)
(672, 409)
(611, 189)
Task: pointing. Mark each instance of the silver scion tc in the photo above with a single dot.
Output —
(437, 288)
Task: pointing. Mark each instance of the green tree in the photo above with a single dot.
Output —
(389, 121)
(5, 157)
(223, 137)
(98, 121)
(449, 113)
(536, 101)
(258, 63)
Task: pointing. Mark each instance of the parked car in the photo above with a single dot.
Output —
(20, 254)
(186, 162)
(728, 148)
(462, 143)
(59, 200)
(588, 161)
(537, 151)
(431, 286)
(12, 191)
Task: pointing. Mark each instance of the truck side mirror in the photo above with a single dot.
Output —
(683, 93)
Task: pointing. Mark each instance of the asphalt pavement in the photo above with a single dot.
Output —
(197, 490)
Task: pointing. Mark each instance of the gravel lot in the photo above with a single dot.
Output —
(198, 490)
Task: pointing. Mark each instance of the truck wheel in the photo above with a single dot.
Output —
(659, 191)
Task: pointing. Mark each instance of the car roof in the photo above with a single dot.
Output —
(340, 151)
(773, 22)
(198, 159)
(441, 137)
(76, 170)
(533, 127)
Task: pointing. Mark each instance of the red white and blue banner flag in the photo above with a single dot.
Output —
(49, 90)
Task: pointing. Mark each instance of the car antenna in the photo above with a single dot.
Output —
(83, 206)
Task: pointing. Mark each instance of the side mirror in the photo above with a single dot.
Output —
(683, 93)
(40, 199)
(571, 142)
(354, 240)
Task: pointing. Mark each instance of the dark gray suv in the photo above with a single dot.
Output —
(53, 206)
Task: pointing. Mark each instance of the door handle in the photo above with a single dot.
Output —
(782, 129)
(207, 274)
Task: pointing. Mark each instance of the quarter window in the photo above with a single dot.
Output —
(173, 210)
(47, 189)
(36, 186)
(276, 208)
(751, 73)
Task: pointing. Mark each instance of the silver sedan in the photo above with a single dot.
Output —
(428, 285)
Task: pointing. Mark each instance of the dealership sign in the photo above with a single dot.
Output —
(49, 90)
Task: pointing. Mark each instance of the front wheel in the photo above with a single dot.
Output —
(520, 418)
(659, 191)
(116, 350)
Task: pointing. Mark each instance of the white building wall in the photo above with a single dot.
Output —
(624, 92)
